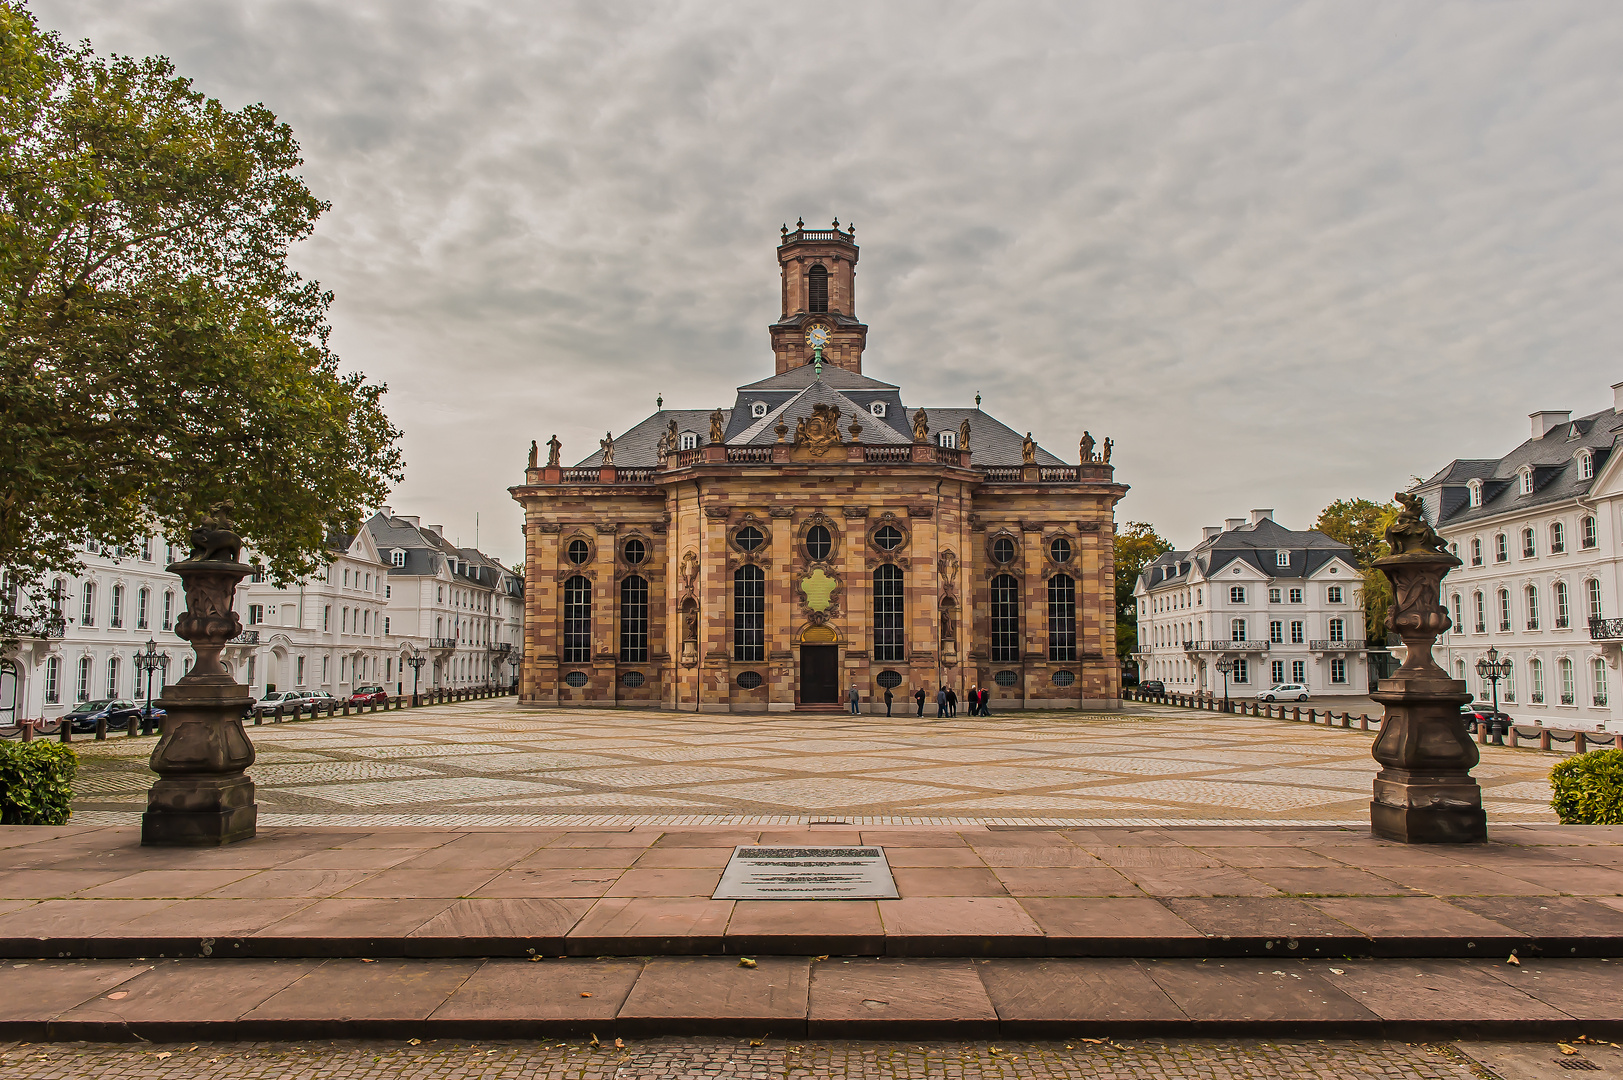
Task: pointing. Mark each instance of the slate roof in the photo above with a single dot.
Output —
(427, 553)
(1553, 459)
(1256, 544)
(793, 396)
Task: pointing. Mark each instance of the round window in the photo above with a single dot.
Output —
(888, 538)
(579, 551)
(749, 538)
(890, 679)
(819, 542)
(1002, 550)
(632, 679)
(635, 552)
(1064, 678)
(749, 680)
(576, 678)
(1006, 678)
(1060, 549)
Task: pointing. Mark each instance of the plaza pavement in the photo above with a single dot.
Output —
(489, 763)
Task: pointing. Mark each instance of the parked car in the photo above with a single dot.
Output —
(116, 711)
(1477, 713)
(1284, 692)
(1152, 686)
(369, 695)
(318, 698)
(285, 699)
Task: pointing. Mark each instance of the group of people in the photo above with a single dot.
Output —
(979, 699)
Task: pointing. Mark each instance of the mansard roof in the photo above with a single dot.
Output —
(427, 552)
(1552, 458)
(1257, 545)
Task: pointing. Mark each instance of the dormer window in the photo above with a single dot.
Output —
(1282, 558)
(877, 409)
(757, 409)
(1475, 487)
(1586, 465)
(687, 441)
(397, 557)
(817, 289)
(1524, 479)
(947, 439)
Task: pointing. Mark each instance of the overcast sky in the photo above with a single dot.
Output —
(1282, 253)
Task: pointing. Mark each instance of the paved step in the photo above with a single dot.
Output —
(166, 1000)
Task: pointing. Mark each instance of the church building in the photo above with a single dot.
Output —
(819, 535)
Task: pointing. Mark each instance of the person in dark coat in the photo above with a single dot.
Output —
(852, 697)
(918, 696)
(973, 696)
(941, 702)
(952, 702)
(986, 701)
(889, 697)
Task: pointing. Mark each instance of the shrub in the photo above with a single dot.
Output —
(1589, 789)
(36, 783)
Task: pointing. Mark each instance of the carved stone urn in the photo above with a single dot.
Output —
(202, 798)
(1424, 793)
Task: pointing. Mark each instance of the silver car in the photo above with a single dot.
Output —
(1289, 691)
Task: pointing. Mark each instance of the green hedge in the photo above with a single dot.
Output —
(1589, 789)
(36, 781)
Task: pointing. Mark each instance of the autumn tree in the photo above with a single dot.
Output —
(1137, 545)
(157, 354)
(1361, 525)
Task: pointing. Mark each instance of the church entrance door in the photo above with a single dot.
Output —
(819, 674)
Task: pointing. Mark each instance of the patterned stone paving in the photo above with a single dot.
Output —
(492, 763)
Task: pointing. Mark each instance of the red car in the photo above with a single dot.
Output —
(369, 695)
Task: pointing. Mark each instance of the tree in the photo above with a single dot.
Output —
(1137, 545)
(157, 354)
(1361, 525)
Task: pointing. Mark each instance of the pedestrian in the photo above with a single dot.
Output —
(952, 702)
(888, 699)
(852, 697)
(918, 696)
(986, 701)
(941, 702)
(972, 695)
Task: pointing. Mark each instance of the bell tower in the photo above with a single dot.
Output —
(819, 268)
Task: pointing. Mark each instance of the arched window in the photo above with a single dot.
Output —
(53, 680)
(1481, 613)
(1586, 465)
(1459, 670)
(1558, 537)
(1597, 674)
(634, 620)
(82, 691)
(1532, 607)
(1501, 548)
(1535, 677)
(889, 618)
(577, 620)
(87, 605)
(143, 608)
(1507, 685)
(1592, 592)
(1588, 532)
(1459, 623)
(1061, 618)
(749, 613)
(1569, 691)
(112, 676)
(1563, 606)
(1005, 618)
(817, 289)
(1504, 609)
(1476, 551)
(1529, 544)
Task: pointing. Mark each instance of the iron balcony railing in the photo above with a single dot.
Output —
(44, 626)
(1605, 629)
(501, 647)
(1325, 645)
(247, 637)
(1225, 646)
(442, 643)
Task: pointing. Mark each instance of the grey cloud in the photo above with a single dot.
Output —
(1282, 252)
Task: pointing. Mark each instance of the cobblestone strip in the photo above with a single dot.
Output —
(680, 1059)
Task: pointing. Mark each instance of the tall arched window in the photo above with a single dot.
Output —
(634, 620)
(1005, 618)
(1592, 589)
(1535, 677)
(1569, 692)
(1529, 544)
(817, 289)
(1588, 532)
(1476, 551)
(889, 626)
(1481, 613)
(143, 608)
(1507, 686)
(1532, 607)
(1563, 606)
(112, 676)
(1597, 675)
(577, 620)
(1558, 538)
(749, 613)
(1501, 548)
(1504, 609)
(1061, 618)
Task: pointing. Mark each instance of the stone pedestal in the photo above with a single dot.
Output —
(1424, 793)
(202, 798)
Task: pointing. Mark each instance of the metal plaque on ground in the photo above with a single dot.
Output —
(806, 873)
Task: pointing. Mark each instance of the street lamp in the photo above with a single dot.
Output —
(1491, 668)
(150, 660)
(416, 660)
(1225, 665)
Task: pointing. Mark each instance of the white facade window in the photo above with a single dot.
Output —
(1481, 614)
(687, 441)
(1273, 596)
(1532, 607)
(386, 624)
(256, 614)
(1459, 623)
(1338, 669)
(1535, 678)
(1524, 480)
(1298, 671)
(1298, 632)
(1504, 609)
(1569, 692)
(1507, 685)
(1558, 538)
(115, 611)
(1592, 589)
(1277, 671)
(1276, 634)
(947, 440)
(1597, 669)
(1586, 465)
(82, 692)
(1282, 558)
(87, 609)
(1588, 532)
(1529, 544)
(1242, 670)
(53, 680)
(143, 606)
(1338, 630)
(168, 611)
(1333, 594)
(1296, 596)
(298, 671)
(1237, 630)
(1501, 548)
(1475, 489)
(1237, 594)
(1563, 606)
(1476, 551)
(397, 558)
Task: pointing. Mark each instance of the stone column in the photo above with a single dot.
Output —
(1424, 793)
(202, 798)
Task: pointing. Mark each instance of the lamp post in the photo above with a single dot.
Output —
(150, 660)
(1491, 668)
(1225, 665)
(416, 660)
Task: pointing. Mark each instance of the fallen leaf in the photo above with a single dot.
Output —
(817, 958)
(1096, 1042)
(414, 1042)
(160, 1055)
(993, 1050)
(364, 960)
(1511, 959)
(118, 995)
(584, 994)
(744, 961)
(1565, 1049)
(619, 1044)
(595, 1042)
(1337, 971)
(536, 959)
(756, 1042)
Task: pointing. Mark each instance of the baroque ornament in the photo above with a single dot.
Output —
(819, 433)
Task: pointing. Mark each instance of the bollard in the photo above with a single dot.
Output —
(276, 717)
(28, 731)
(1482, 733)
(259, 717)
(1296, 713)
(346, 706)
(1363, 721)
(101, 730)
(1580, 744)
(1513, 736)
(64, 732)
(129, 728)
(1544, 738)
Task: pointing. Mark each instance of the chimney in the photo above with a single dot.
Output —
(1617, 397)
(1230, 524)
(411, 519)
(1210, 531)
(437, 530)
(386, 511)
(1546, 419)
(1259, 516)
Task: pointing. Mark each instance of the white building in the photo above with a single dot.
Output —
(1538, 531)
(1284, 606)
